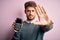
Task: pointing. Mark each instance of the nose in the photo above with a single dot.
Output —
(30, 12)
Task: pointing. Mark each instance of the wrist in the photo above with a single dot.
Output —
(49, 23)
(15, 31)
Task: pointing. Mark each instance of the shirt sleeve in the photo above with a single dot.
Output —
(46, 28)
(16, 36)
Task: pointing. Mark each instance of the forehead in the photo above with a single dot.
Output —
(30, 8)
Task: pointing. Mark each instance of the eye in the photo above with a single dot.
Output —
(32, 10)
(28, 10)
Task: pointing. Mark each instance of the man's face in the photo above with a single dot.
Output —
(30, 13)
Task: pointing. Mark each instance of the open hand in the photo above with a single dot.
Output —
(42, 16)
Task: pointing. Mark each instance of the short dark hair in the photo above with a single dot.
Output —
(30, 4)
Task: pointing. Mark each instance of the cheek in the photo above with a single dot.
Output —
(34, 13)
(27, 13)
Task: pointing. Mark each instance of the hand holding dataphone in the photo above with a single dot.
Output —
(17, 24)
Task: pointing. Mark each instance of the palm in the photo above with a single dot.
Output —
(42, 16)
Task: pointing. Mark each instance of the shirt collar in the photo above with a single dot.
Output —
(34, 20)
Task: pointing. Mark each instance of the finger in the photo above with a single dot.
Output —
(39, 13)
(42, 10)
(38, 9)
(45, 14)
(13, 24)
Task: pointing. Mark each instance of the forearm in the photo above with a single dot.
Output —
(46, 28)
(42, 23)
(16, 36)
(49, 23)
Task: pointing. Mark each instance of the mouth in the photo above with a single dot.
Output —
(30, 16)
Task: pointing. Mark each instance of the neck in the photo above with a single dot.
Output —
(29, 20)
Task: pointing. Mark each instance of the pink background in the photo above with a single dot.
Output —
(11, 9)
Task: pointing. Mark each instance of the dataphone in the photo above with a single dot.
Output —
(19, 20)
(18, 24)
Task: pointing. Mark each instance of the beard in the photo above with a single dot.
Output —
(30, 18)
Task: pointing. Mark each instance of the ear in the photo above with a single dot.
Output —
(25, 11)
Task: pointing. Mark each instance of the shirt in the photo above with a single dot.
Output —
(30, 31)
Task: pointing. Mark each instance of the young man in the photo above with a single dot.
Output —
(31, 28)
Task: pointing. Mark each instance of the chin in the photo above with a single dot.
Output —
(31, 18)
